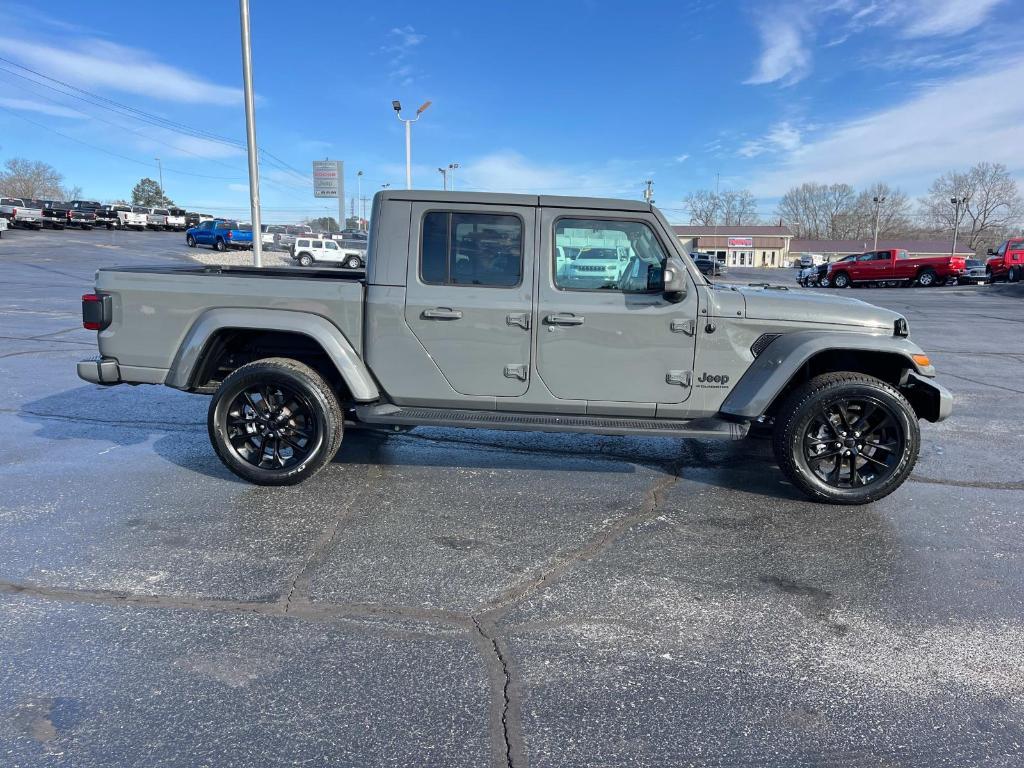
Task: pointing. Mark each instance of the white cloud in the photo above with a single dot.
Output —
(681, 158)
(941, 18)
(100, 65)
(950, 124)
(783, 137)
(785, 55)
(402, 41)
(30, 105)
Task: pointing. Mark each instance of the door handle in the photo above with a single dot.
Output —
(442, 313)
(563, 320)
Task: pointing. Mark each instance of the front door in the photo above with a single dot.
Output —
(469, 293)
(605, 330)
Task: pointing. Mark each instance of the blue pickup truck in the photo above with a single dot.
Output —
(220, 234)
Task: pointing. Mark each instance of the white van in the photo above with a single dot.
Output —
(308, 251)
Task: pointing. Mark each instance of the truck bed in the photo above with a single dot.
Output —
(153, 308)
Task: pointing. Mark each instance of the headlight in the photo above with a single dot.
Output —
(901, 327)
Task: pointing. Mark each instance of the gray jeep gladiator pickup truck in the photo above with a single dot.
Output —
(522, 312)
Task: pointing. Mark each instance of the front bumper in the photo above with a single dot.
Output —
(102, 370)
(932, 400)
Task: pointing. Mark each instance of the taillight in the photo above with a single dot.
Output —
(228, 235)
(96, 311)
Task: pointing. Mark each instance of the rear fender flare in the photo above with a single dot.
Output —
(774, 368)
(350, 366)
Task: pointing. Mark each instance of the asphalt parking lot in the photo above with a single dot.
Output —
(465, 598)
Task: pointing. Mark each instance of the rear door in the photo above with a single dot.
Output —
(612, 338)
(469, 293)
(874, 265)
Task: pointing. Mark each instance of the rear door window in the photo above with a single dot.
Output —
(303, 244)
(471, 249)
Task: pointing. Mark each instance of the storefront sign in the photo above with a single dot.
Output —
(741, 242)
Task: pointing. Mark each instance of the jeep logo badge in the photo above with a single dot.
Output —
(712, 380)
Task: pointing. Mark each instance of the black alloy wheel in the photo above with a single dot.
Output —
(275, 422)
(846, 438)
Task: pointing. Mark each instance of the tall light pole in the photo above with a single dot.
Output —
(359, 183)
(649, 191)
(397, 106)
(444, 178)
(957, 202)
(451, 173)
(250, 136)
(160, 170)
(878, 207)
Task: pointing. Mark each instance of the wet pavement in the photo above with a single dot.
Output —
(474, 598)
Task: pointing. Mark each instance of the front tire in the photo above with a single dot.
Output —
(190, 241)
(352, 262)
(275, 422)
(846, 438)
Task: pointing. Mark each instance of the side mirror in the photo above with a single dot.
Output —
(674, 280)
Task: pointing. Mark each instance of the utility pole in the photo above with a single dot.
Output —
(397, 106)
(362, 204)
(451, 174)
(250, 136)
(444, 178)
(878, 207)
(649, 192)
(160, 170)
(957, 202)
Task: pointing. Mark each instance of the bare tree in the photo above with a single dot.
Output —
(71, 193)
(30, 178)
(707, 207)
(702, 206)
(894, 212)
(738, 207)
(819, 211)
(993, 204)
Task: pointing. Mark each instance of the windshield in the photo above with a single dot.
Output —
(139, 209)
(603, 254)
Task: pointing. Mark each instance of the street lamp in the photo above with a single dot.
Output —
(397, 106)
(957, 202)
(359, 185)
(878, 207)
(444, 178)
(250, 134)
(451, 173)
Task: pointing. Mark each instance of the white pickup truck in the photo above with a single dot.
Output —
(176, 219)
(18, 213)
(128, 217)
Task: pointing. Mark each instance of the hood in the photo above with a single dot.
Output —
(814, 307)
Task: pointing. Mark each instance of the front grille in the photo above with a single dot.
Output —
(761, 343)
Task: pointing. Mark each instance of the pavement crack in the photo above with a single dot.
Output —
(988, 485)
(298, 589)
(509, 752)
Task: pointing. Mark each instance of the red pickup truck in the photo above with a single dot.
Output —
(1006, 262)
(896, 266)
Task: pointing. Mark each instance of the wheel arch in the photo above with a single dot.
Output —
(225, 339)
(797, 357)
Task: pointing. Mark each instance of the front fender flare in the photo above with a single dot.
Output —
(351, 367)
(773, 369)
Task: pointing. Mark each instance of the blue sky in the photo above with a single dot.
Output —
(557, 97)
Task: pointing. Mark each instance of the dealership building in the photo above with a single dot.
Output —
(755, 245)
(768, 246)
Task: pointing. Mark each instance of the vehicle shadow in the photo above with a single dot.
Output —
(174, 423)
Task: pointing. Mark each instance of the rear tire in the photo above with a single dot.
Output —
(275, 422)
(305, 260)
(832, 423)
(927, 278)
(220, 245)
(1013, 275)
(841, 280)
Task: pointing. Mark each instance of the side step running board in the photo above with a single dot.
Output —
(546, 422)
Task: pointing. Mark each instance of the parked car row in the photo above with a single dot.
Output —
(895, 267)
(89, 214)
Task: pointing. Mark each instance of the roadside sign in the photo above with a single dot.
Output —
(328, 178)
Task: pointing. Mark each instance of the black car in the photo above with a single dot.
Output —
(974, 273)
(706, 263)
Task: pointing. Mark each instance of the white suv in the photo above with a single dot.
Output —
(308, 251)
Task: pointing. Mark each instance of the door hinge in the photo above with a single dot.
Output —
(682, 378)
(522, 319)
(516, 371)
(683, 326)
